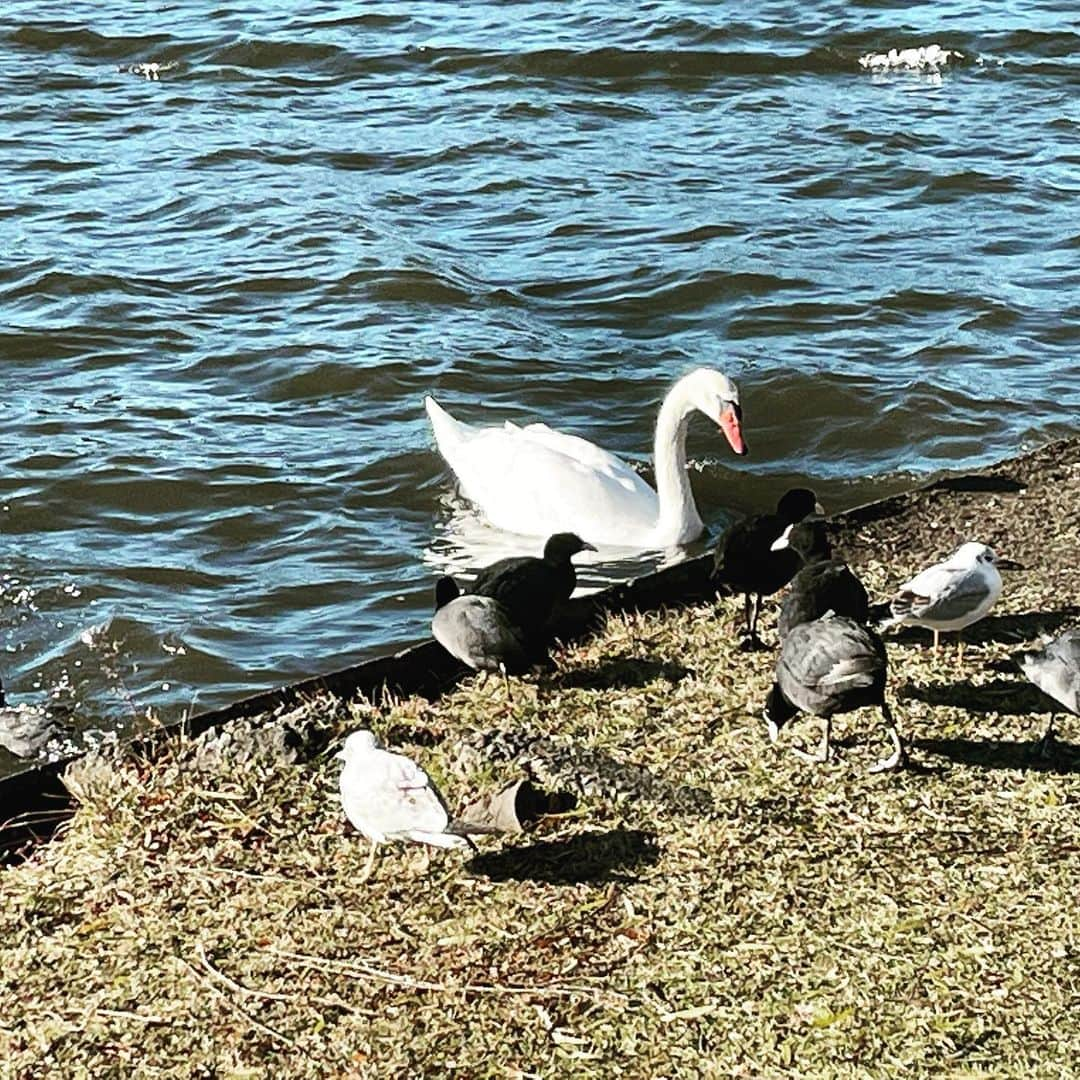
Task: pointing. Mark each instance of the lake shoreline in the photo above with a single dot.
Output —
(711, 904)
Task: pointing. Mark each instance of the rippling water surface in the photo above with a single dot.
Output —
(225, 292)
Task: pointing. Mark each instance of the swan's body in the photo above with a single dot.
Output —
(537, 481)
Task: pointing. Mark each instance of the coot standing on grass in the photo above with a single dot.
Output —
(1055, 670)
(823, 584)
(530, 588)
(744, 561)
(829, 666)
(477, 630)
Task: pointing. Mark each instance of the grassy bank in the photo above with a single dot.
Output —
(713, 905)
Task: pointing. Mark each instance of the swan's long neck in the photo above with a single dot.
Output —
(679, 521)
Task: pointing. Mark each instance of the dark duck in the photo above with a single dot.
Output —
(745, 562)
(829, 666)
(823, 584)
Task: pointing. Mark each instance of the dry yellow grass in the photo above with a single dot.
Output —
(712, 906)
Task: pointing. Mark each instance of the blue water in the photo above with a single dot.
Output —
(225, 292)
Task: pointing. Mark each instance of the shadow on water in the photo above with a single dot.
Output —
(1016, 756)
(621, 673)
(594, 857)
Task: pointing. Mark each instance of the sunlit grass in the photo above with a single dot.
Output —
(712, 906)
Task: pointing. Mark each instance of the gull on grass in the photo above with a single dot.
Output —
(387, 796)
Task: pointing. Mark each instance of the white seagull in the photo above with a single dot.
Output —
(1055, 670)
(537, 481)
(387, 797)
(951, 594)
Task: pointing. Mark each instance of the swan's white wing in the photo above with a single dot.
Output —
(581, 450)
(537, 481)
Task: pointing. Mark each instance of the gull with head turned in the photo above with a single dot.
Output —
(952, 594)
(1055, 670)
(387, 796)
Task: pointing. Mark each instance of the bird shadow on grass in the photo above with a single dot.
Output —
(620, 673)
(591, 857)
(976, 482)
(993, 754)
(1009, 629)
(1008, 697)
(1021, 627)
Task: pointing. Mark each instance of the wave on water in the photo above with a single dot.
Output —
(152, 56)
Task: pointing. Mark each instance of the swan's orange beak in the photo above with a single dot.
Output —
(731, 426)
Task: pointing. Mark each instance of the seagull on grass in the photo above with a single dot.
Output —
(829, 666)
(951, 594)
(388, 797)
(1055, 670)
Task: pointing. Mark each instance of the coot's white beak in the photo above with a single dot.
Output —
(783, 540)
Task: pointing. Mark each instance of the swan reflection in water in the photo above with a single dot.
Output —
(464, 542)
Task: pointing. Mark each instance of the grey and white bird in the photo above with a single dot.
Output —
(25, 730)
(949, 595)
(1055, 670)
(477, 630)
(829, 666)
(387, 796)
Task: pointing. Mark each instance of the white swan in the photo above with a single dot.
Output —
(537, 481)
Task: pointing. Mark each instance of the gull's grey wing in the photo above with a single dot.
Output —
(960, 598)
(957, 596)
(1055, 670)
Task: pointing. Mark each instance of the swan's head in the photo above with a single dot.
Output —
(358, 744)
(561, 546)
(717, 397)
